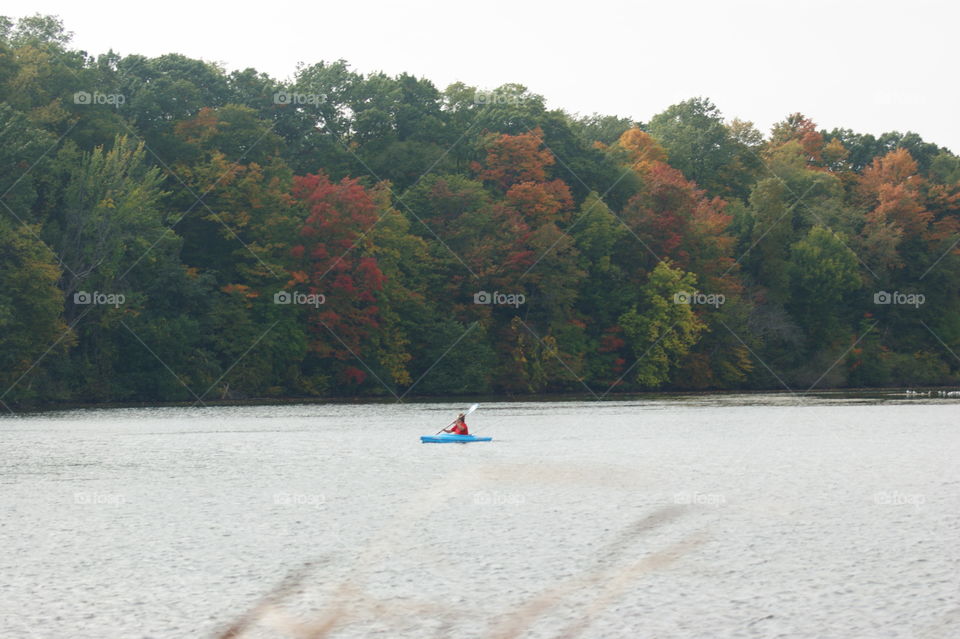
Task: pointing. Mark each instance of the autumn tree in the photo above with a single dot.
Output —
(332, 259)
(802, 130)
(513, 159)
(641, 150)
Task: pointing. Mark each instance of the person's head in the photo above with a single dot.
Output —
(461, 417)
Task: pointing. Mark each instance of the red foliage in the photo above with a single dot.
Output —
(334, 238)
(353, 375)
(676, 220)
(611, 341)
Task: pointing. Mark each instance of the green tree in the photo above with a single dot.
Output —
(698, 142)
(661, 330)
(605, 129)
(31, 311)
(22, 146)
(823, 273)
(109, 216)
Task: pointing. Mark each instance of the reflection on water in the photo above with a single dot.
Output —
(695, 516)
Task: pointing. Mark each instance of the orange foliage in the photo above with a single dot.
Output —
(512, 159)
(540, 202)
(642, 149)
(895, 168)
(241, 289)
(890, 186)
(943, 202)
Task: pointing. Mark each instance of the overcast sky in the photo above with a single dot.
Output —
(871, 66)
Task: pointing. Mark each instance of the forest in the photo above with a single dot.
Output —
(171, 231)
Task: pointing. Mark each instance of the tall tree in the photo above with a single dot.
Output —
(332, 259)
(697, 142)
(31, 312)
(661, 331)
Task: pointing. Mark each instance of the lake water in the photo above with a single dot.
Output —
(714, 516)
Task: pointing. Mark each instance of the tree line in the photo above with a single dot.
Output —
(171, 231)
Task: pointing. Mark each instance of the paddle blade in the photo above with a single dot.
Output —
(472, 408)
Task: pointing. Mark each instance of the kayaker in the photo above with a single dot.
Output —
(459, 427)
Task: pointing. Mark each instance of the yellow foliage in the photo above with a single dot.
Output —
(641, 148)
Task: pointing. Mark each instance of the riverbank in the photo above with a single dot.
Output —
(865, 393)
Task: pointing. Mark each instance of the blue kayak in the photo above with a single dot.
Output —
(450, 438)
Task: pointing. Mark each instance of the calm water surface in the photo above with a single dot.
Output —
(732, 516)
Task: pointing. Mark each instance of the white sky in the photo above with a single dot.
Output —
(868, 65)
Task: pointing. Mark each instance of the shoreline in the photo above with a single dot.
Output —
(438, 399)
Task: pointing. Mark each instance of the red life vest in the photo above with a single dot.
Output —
(460, 428)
